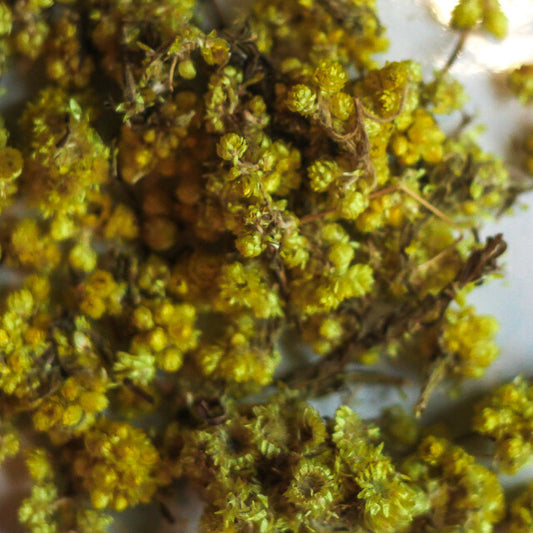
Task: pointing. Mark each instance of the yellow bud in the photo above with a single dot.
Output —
(72, 415)
(301, 99)
(342, 106)
(93, 402)
(171, 359)
(99, 499)
(83, 257)
(142, 318)
(215, 51)
(11, 163)
(330, 76)
(231, 147)
(158, 339)
(120, 503)
(187, 69)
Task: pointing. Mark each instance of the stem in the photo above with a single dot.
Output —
(439, 256)
(332, 381)
(147, 397)
(316, 216)
(218, 14)
(171, 73)
(436, 375)
(398, 322)
(454, 55)
(428, 206)
(381, 192)
(416, 197)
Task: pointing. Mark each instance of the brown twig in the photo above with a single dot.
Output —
(316, 216)
(428, 206)
(138, 391)
(454, 55)
(436, 258)
(436, 374)
(171, 73)
(381, 192)
(219, 15)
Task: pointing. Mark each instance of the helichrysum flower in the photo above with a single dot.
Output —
(302, 99)
(118, 465)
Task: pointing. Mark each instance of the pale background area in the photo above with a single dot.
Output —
(417, 30)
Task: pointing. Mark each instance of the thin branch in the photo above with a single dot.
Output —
(381, 192)
(437, 373)
(171, 73)
(316, 216)
(219, 15)
(439, 256)
(454, 55)
(428, 206)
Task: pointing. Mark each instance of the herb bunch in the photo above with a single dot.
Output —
(176, 201)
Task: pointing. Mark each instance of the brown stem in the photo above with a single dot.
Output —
(147, 397)
(428, 206)
(218, 14)
(316, 216)
(454, 55)
(381, 192)
(335, 381)
(171, 73)
(439, 256)
(437, 373)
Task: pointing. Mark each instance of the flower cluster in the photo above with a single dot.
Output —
(487, 14)
(506, 417)
(520, 82)
(332, 475)
(118, 465)
(463, 494)
(180, 206)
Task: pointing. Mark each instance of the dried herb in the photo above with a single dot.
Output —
(177, 202)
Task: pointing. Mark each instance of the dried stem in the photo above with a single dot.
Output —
(428, 206)
(171, 73)
(316, 216)
(454, 55)
(437, 373)
(439, 256)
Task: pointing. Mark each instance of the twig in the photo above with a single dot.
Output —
(219, 15)
(316, 216)
(428, 206)
(381, 192)
(416, 197)
(439, 256)
(171, 73)
(147, 397)
(334, 381)
(454, 55)
(437, 373)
